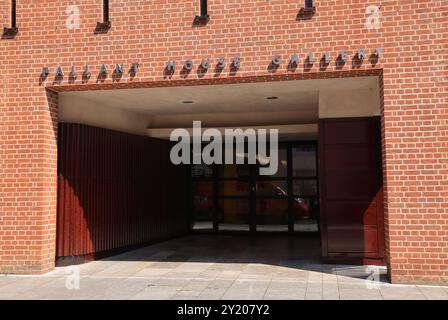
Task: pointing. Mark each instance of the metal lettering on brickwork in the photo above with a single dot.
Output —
(359, 57)
(323, 60)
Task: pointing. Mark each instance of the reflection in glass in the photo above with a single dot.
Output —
(306, 214)
(272, 211)
(203, 204)
(201, 171)
(304, 161)
(234, 214)
(234, 171)
(272, 205)
(272, 188)
(233, 188)
(282, 170)
(305, 188)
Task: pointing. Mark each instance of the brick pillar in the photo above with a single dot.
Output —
(28, 164)
(415, 149)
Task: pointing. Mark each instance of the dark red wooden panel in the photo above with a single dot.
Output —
(351, 213)
(349, 184)
(351, 189)
(357, 240)
(116, 190)
(347, 131)
(350, 157)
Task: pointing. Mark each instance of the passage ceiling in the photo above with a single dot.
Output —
(230, 105)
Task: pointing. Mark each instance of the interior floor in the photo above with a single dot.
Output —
(241, 248)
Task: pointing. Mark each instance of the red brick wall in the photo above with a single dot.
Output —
(414, 39)
(4, 13)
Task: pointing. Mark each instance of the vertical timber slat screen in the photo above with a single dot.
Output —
(115, 191)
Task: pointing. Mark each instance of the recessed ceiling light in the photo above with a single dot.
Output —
(272, 98)
(187, 101)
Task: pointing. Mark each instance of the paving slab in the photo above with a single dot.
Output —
(434, 293)
(157, 293)
(289, 293)
(246, 289)
(360, 294)
(402, 292)
(214, 267)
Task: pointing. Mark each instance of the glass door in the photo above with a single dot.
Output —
(271, 192)
(203, 193)
(305, 188)
(234, 197)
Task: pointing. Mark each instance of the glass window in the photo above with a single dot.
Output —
(203, 205)
(234, 171)
(203, 188)
(201, 171)
(271, 204)
(305, 188)
(306, 215)
(233, 188)
(305, 208)
(272, 210)
(304, 161)
(234, 211)
(203, 208)
(282, 170)
(272, 188)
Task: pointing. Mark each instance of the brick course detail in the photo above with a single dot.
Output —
(413, 73)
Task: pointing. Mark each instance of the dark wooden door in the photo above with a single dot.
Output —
(351, 189)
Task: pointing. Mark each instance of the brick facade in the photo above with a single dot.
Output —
(413, 72)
